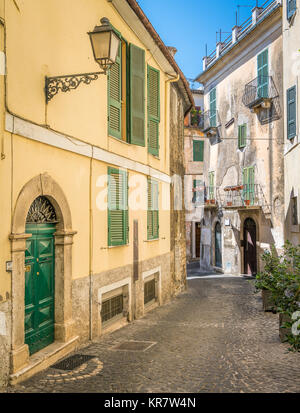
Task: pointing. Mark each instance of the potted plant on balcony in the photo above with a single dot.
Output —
(240, 187)
(247, 202)
(213, 201)
(227, 188)
(229, 203)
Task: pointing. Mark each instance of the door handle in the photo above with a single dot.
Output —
(37, 273)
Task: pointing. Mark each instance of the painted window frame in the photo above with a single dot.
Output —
(263, 84)
(291, 135)
(249, 184)
(211, 188)
(242, 136)
(213, 107)
(150, 116)
(124, 208)
(201, 151)
(152, 210)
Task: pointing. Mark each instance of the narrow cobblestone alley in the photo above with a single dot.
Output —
(213, 338)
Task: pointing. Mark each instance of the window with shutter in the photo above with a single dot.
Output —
(137, 95)
(248, 184)
(263, 74)
(242, 136)
(291, 112)
(198, 151)
(211, 185)
(117, 207)
(115, 98)
(213, 107)
(291, 8)
(153, 83)
(153, 210)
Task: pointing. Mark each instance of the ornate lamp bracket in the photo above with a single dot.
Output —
(67, 83)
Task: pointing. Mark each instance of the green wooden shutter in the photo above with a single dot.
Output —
(137, 95)
(291, 112)
(117, 207)
(211, 185)
(263, 74)
(153, 210)
(249, 184)
(291, 8)
(115, 98)
(153, 86)
(213, 107)
(198, 151)
(242, 136)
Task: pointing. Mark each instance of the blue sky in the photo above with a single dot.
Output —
(191, 24)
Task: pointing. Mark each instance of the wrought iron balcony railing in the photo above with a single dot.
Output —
(259, 93)
(211, 122)
(238, 196)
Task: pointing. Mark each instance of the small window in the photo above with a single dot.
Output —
(242, 136)
(294, 211)
(198, 151)
(112, 308)
(153, 210)
(198, 193)
(211, 185)
(149, 291)
(291, 8)
(291, 112)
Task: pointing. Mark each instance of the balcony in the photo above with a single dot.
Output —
(211, 123)
(260, 93)
(242, 197)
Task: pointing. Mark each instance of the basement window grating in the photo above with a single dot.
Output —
(149, 291)
(72, 362)
(112, 308)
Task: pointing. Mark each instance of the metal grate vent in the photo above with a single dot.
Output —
(134, 346)
(72, 362)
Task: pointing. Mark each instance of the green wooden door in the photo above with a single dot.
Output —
(39, 286)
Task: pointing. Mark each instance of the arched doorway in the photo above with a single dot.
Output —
(250, 253)
(218, 245)
(41, 186)
(40, 275)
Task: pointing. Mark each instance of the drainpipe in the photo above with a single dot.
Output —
(91, 249)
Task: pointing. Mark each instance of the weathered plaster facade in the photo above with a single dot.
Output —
(263, 150)
(194, 171)
(291, 67)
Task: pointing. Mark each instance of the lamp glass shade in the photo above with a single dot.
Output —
(101, 45)
(114, 47)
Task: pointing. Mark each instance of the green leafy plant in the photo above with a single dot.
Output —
(281, 276)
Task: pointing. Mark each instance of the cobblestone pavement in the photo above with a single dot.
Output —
(213, 338)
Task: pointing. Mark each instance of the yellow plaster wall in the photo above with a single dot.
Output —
(49, 38)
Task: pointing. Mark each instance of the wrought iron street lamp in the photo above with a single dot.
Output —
(105, 43)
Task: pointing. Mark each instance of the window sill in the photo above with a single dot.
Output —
(119, 140)
(154, 156)
(151, 240)
(117, 246)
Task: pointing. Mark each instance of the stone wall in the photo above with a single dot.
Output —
(83, 305)
(177, 167)
(5, 342)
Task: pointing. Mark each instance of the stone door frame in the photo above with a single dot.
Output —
(41, 185)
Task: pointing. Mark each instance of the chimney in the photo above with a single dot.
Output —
(255, 14)
(172, 50)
